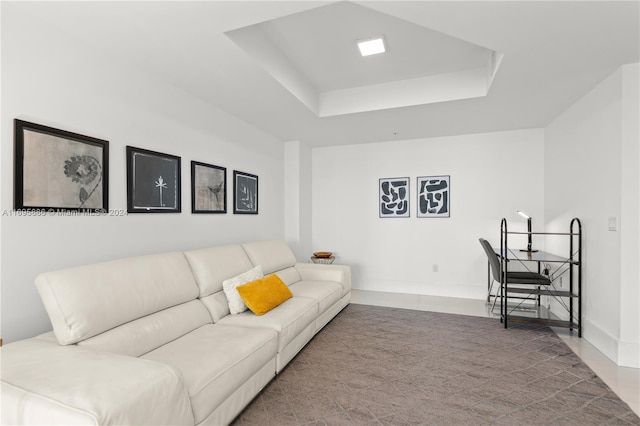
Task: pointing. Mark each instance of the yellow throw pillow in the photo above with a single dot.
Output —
(264, 294)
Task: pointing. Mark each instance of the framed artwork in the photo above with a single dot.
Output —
(434, 196)
(245, 193)
(59, 170)
(394, 197)
(208, 188)
(153, 182)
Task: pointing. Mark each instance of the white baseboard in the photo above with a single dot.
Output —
(622, 353)
(629, 354)
(472, 291)
(601, 339)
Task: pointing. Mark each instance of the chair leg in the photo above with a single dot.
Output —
(493, 306)
(490, 294)
(489, 282)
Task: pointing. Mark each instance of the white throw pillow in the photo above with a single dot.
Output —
(236, 305)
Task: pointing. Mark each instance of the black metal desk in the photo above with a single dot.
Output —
(572, 264)
(536, 256)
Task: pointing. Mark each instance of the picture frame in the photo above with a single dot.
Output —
(153, 182)
(208, 188)
(245, 193)
(434, 196)
(393, 197)
(58, 170)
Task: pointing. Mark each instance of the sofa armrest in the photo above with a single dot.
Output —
(46, 383)
(321, 272)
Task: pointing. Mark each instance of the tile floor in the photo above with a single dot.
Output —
(624, 381)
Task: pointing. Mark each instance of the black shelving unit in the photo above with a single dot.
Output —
(570, 300)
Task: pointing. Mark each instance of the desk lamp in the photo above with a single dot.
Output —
(528, 249)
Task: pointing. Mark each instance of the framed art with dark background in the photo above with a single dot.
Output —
(245, 193)
(153, 182)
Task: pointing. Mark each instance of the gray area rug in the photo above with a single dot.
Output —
(385, 366)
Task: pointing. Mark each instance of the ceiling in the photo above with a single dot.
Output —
(330, 57)
(314, 55)
(291, 68)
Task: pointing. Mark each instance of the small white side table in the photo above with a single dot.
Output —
(325, 260)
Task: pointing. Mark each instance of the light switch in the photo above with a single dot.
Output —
(613, 223)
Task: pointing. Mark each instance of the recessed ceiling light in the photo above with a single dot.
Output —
(371, 46)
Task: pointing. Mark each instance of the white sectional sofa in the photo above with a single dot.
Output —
(150, 340)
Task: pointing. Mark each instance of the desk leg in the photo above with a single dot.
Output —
(571, 301)
(539, 296)
(506, 300)
(501, 304)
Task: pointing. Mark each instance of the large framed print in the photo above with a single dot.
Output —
(434, 196)
(245, 193)
(208, 188)
(153, 182)
(393, 197)
(59, 170)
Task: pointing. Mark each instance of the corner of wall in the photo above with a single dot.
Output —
(600, 132)
(629, 345)
(297, 187)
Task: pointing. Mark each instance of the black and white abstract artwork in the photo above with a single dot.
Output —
(434, 196)
(245, 193)
(394, 197)
(153, 182)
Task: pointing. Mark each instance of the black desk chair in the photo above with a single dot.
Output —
(510, 277)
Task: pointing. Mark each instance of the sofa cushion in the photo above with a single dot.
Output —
(336, 273)
(46, 383)
(88, 300)
(215, 360)
(145, 334)
(264, 294)
(326, 293)
(288, 320)
(235, 301)
(289, 275)
(272, 255)
(217, 305)
(211, 266)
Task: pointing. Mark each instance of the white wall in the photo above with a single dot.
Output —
(629, 353)
(492, 176)
(53, 80)
(592, 161)
(297, 198)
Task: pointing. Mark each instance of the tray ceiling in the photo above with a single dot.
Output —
(308, 83)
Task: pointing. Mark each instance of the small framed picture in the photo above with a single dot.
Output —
(60, 170)
(153, 182)
(434, 196)
(208, 188)
(393, 197)
(245, 193)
